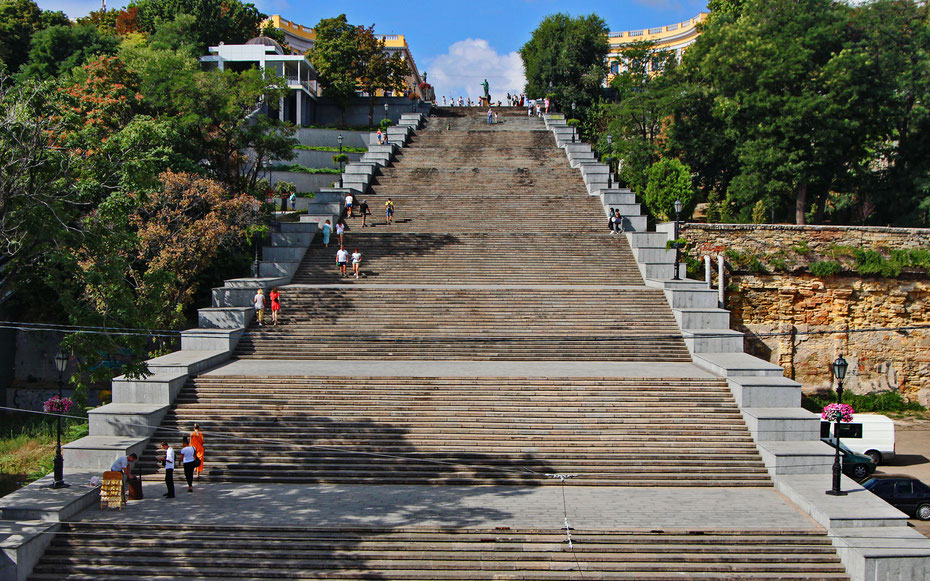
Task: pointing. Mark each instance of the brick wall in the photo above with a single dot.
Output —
(802, 322)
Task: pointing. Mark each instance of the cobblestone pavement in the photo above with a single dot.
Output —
(614, 508)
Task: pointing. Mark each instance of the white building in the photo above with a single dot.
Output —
(299, 106)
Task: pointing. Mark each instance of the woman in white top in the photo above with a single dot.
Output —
(258, 301)
(189, 461)
(356, 261)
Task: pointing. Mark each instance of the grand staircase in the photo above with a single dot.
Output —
(368, 430)
(498, 256)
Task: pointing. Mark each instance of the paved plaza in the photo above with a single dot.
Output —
(484, 507)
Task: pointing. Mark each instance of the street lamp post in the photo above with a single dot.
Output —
(61, 363)
(839, 368)
(678, 205)
(386, 109)
(610, 152)
(339, 138)
(573, 127)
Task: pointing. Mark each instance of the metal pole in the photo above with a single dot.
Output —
(61, 363)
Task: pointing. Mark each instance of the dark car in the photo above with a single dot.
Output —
(905, 493)
(856, 466)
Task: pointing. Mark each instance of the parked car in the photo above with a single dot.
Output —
(869, 434)
(857, 466)
(905, 493)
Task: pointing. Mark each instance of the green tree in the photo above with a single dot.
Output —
(787, 96)
(380, 71)
(891, 184)
(335, 56)
(229, 21)
(105, 21)
(567, 57)
(19, 20)
(669, 180)
(36, 204)
(59, 49)
(645, 90)
(234, 137)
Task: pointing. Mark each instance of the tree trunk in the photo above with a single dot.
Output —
(371, 109)
(801, 204)
(821, 208)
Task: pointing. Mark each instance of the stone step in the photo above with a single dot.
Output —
(117, 551)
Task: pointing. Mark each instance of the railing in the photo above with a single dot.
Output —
(636, 33)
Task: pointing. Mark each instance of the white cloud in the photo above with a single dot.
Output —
(468, 63)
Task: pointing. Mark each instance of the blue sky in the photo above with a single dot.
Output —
(461, 42)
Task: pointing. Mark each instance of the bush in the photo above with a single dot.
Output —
(385, 123)
(886, 401)
(668, 180)
(759, 213)
(824, 268)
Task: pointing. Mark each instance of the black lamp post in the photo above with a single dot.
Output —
(839, 368)
(61, 363)
(573, 127)
(386, 108)
(610, 152)
(678, 205)
(339, 139)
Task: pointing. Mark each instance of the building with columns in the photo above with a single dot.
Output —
(673, 37)
(302, 38)
(299, 106)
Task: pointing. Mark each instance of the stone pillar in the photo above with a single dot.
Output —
(298, 98)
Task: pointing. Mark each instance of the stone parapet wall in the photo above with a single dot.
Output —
(764, 239)
(802, 322)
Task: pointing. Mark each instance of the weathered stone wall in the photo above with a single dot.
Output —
(802, 322)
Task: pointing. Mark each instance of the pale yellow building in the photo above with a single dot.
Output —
(301, 39)
(673, 37)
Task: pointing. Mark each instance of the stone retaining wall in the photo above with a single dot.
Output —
(802, 321)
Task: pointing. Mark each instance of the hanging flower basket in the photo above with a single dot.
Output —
(57, 405)
(838, 412)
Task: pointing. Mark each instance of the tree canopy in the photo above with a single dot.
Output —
(566, 58)
(350, 58)
(215, 21)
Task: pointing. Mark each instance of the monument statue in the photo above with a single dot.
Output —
(486, 86)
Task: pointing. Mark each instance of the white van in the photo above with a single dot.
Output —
(869, 434)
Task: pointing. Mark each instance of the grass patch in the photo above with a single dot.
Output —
(881, 403)
(297, 168)
(333, 149)
(27, 447)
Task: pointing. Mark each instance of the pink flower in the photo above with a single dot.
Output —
(838, 412)
(56, 405)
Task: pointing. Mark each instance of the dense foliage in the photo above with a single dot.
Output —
(785, 110)
(565, 59)
(351, 58)
(128, 174)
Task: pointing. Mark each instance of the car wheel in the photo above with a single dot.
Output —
(860, 471)
(875, 455)
(923, 512)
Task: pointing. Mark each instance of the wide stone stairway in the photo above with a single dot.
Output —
(498, 396)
